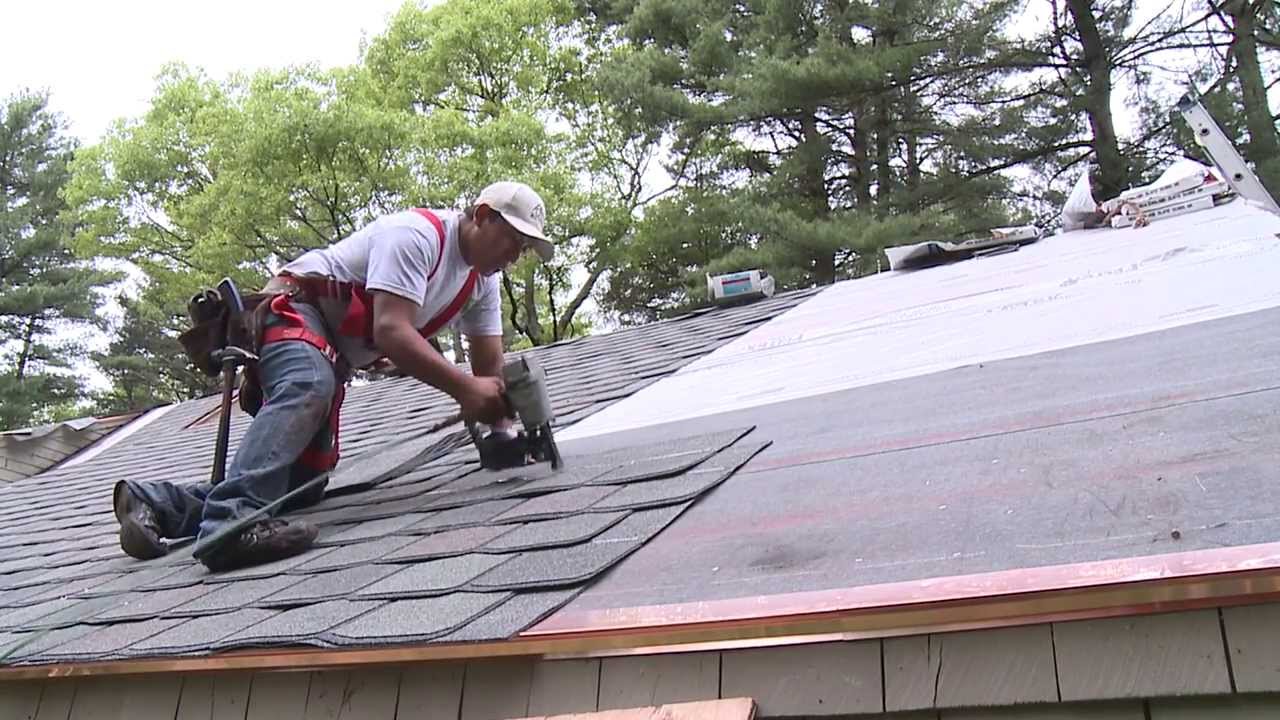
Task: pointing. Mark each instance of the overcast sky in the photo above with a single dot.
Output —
(98, 60)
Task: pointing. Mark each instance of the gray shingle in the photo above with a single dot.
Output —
(372, 529)
(328, 586)
(552, 533)
(468, 516)
(415, 620)
(648, 468)
(231, 596)
(567, 478)
(556, 567)
(558, 504)
(186, 576)
(23, 617)
(353, 555)
(449, 542)
(108, 641)
(255, 572)
(642, 525)
(198, 634)
(142, 605)
(382, 463)
(81, 611)
(667, 491)
(27, 645)
(515, 615)
(299, 625)
(132, 581)
(432, 577)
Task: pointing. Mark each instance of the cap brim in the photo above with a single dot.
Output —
(541, 245)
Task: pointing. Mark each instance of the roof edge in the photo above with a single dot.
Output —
(1253, 581)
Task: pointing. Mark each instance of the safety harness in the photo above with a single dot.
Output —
(357, 322)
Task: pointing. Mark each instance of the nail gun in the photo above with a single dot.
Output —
(527, 397)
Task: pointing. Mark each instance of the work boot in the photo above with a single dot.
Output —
(262, 542)
(139, 528)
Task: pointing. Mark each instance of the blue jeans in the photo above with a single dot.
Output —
(298, 384)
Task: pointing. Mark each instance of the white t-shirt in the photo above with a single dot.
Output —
(395, 254)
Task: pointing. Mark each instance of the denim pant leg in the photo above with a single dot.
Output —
(298, 384)
(178, 508)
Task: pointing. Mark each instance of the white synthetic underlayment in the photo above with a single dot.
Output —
(1066, 290)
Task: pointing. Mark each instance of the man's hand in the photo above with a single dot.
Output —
(482, 401)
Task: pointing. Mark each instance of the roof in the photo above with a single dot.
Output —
(1093, 408)
(416, 545)
(27, 451)
(1092, 411)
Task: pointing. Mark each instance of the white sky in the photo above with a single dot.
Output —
(98, 60)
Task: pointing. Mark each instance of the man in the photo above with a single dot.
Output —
(382, 292)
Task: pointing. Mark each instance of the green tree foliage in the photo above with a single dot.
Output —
(145, 363)
(47, 298)
(819, 131)
(510, 89)
(234, 178)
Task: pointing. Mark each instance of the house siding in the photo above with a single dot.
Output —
(1162, 667)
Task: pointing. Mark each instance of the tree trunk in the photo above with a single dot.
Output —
(861, 159)
(1263, 148)
(532, 327)
(884, 136)
(815, 190)
(459, 352)
(1112, 176)
(24, 356)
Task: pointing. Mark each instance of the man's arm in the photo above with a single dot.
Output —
(486, 361)
(394, 334)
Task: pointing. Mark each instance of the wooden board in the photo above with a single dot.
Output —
(221, 696)
(646, 680)
(1253, 639)
(1136, 657)
(728, 709)
(278, 696)
(564, 686)
(430, 691)
(496, 689)
(55, 701)
(1217, 708)
(1131, 710)
(20, 700)
(910, 673)
(988, 668)
(825, 679)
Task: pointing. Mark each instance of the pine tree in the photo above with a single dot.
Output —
(146, 364)
(46, 296)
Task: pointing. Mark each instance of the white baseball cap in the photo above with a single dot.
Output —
(519, 205)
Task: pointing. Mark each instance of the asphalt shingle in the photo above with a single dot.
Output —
(353, 555)
(108, 641)
(523, 610)
(328, 586)
(557, 504)
(556, 567)
(232, 596)
(449, 542)
(198, 634)
(299, 625)
(468, 516)
(142, 605)
(432, 577)
(553, 533)
(415, 620)
(436, 536)
(372, 529)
